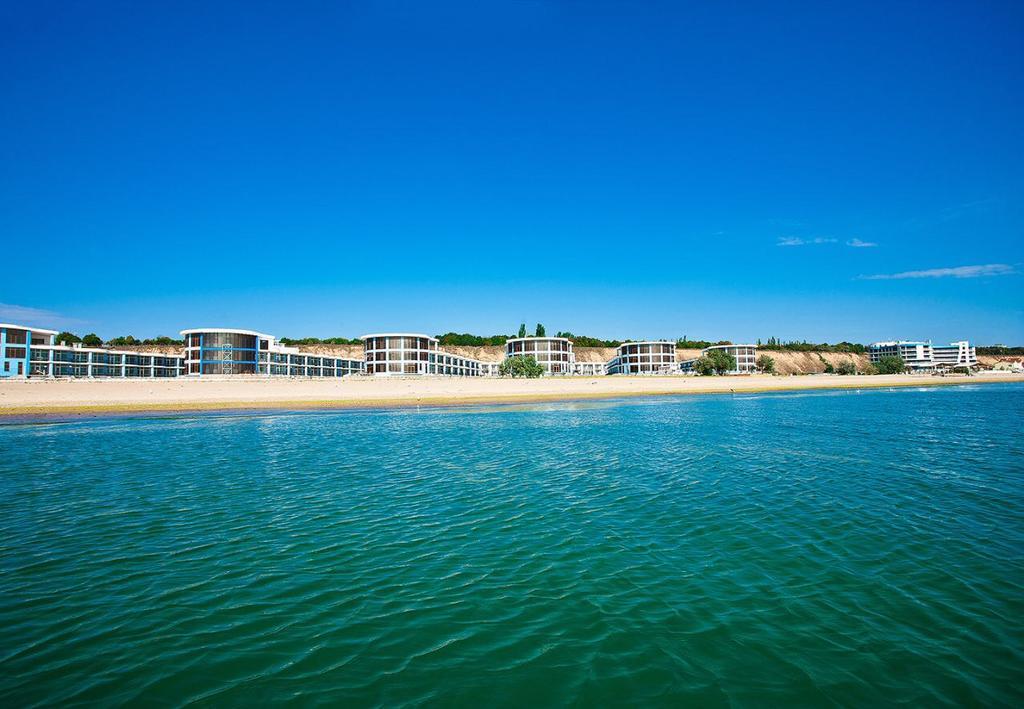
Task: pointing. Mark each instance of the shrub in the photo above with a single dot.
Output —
(890, 365)
(766, 364)
(847, 368)
(520, 366)
(92, 340)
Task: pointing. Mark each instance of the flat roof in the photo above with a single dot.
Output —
(722, 347)
(229, 330)
(397, 334)
(894, 343)
(27, 327)
(534, 337)
(105, 350)
(649, 342)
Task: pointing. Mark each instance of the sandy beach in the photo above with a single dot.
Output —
(42, 397)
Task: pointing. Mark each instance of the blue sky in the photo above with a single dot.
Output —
(825, 171)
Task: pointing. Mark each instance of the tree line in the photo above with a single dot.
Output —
(465, 339)
(93, 340)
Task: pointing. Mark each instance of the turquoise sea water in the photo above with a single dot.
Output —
(853, 548)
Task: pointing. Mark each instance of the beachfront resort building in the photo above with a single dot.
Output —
(226, 351)
(34, 352)
(915, 355)
(744, 355)
(649, 357)
(554, 354)
(410, 353)
(955, 354)
(920, 355)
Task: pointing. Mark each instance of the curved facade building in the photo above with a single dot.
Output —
(219, 351)
(649, 357)
(745, 356)
(553, 353)
(412, 353)
(223, 351)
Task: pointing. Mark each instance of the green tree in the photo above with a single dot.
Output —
(723, 361)
(890, 365)
(846, 367)
(123, 340)
(704, 367)
(68, 337)
(520, 366)
(715, 362)
(540, 330)
(92, 340)
(766, 364)
(522, 330)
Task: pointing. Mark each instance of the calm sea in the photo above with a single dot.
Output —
(859, 548)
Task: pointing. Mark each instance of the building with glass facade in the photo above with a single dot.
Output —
(919, 355)
(33, 352)
(554, 354)
(915, 354)
(650, 357)
(223, 351)
(16, 343)
(745, 356)
(955, 354)
(410, 353)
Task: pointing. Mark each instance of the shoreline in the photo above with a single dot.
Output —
(45, 400)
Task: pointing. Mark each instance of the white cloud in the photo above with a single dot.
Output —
(24, 315)
(797, 241)
(858, 244)
(989, 269)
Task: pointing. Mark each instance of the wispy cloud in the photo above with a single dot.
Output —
(989, 269)
(858, 244)
(24, 315)
(797, 241)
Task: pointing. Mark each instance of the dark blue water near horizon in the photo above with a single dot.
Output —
(819, 548)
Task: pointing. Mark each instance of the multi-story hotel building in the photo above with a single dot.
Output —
(915, 355)
(33, 352)
(745, 356)
(648, 357)
(223, 351)
(955, 354)
(925, 355)
(410, 353)
(554, 354)
(16, 343)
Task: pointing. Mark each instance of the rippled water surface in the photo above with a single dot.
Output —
(859, 548)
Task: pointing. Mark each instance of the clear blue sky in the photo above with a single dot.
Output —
(828, 170)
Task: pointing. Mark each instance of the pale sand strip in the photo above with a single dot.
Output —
(33, 397)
